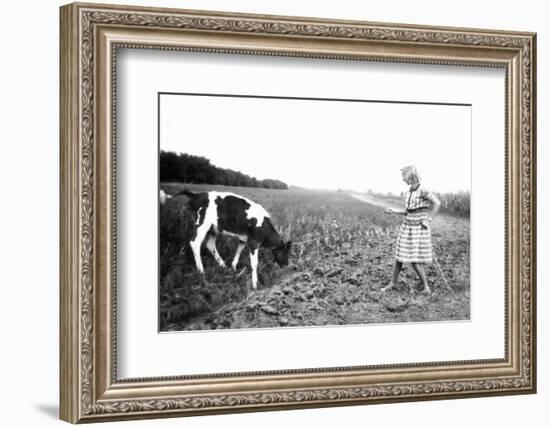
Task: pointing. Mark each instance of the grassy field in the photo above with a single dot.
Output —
(342, 255)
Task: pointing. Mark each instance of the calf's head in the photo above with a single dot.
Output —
(280, 253)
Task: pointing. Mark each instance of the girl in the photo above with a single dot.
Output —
(414, 242)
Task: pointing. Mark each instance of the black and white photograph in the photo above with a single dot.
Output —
(302, 212)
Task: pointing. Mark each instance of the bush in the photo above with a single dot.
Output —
(455, 203)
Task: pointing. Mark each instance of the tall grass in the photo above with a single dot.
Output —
(457, 203)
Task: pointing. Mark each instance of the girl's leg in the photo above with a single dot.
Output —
(396, 270)
(421, 275)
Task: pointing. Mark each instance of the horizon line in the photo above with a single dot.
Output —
(301, 187)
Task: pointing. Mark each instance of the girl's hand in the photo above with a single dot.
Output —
(389, 211)
(425, 223)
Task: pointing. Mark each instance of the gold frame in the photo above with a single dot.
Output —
(90, 34)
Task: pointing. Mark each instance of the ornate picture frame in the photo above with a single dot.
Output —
(90, 37)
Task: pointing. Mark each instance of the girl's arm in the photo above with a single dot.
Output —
(436, 204)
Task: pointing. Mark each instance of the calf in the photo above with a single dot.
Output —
(233, 215)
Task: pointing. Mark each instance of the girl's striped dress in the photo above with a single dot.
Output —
(414, 242)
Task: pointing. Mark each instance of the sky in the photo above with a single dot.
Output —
(323, 144)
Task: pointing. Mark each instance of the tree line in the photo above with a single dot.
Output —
(178, 167)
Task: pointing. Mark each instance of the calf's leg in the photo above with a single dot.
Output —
(254, 265)
(196, 243)
(211, 245)
(237, 255)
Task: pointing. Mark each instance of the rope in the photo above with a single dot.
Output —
(303, 242)
(447, 285)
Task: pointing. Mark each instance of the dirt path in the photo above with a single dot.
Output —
(372, 200)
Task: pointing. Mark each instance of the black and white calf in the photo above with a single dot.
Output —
(233, 215)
